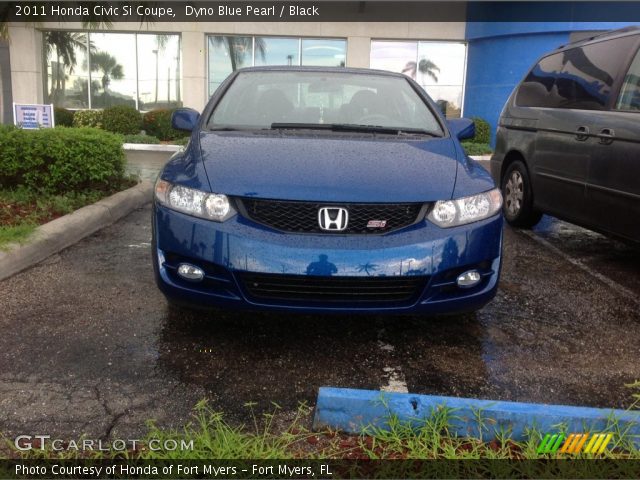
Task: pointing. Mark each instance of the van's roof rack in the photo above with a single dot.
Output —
(609, 33)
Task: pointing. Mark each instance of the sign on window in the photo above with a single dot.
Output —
(30, 116)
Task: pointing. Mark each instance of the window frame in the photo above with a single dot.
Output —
(463, 84)
(619, 83)
(615, 87)
(135, 34)
(253, 36)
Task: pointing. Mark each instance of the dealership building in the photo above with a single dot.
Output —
(469, 67)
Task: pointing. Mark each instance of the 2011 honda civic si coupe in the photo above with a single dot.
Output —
(325, 190)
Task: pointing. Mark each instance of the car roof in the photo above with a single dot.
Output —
(286, 68)
(612, 34)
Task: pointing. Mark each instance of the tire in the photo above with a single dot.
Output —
(518, 197)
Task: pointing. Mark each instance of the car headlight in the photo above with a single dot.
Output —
(211, 206)
(452, 213)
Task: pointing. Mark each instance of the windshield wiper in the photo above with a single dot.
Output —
(301, 126)
(350, 127)
(381, 129)
(223, 129)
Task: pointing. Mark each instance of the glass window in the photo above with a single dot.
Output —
(276, 51)
(158, 71)
(229, 53)
(439, 67)
(113, 69)
(395, 56)
(539, 87)
(226, 55)
(257, 100)
(580, 78)
(324, 52)
(629, 98)
(588, 73)
(141, 70)
(67, 76)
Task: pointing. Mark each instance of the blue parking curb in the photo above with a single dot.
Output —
(350, 410)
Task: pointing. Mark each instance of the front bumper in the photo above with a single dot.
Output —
(232, 253)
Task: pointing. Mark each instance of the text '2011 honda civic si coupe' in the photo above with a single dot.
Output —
(325, 190)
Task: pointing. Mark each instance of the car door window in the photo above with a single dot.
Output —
(629, 98)
(577, 78)
(539, 87)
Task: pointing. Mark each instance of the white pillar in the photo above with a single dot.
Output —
(358, 52)
(194, 77)
(25, 51)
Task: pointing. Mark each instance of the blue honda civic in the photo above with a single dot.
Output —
(325, 190)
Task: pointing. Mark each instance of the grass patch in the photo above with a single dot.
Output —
(210, 436)
(181, 141)
(22, 210)
(15, 234)
(473, 148)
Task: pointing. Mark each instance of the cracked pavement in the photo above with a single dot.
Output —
(90, 347)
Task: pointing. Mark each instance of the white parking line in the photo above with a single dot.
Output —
(397, 382)
(140, 245)
(625, 292)
(395, 378)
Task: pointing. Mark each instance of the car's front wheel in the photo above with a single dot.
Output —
(518, 197)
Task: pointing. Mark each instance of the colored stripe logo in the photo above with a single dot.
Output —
(575, 443)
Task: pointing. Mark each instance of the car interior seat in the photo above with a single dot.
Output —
(274, 107)
(363, 102)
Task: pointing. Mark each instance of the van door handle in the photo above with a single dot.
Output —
(582, 133)
(606, 136)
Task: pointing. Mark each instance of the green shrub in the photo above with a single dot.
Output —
(60, 160)
(63, 117)
(7, 127)
(473, 148)
(181, 141)
(483, 131)
(87, 118)
(158, 123)
(147, 139)
(122, 119)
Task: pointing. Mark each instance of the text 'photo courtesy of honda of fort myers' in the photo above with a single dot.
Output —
(325, 189)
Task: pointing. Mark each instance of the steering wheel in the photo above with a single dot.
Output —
(374, 119)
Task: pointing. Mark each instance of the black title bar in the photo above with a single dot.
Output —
(319, 11)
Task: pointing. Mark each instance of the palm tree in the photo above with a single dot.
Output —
(65, 45)
(426, 67)
(367, 268)
(238, 46)
(110, 69)
(161, 44)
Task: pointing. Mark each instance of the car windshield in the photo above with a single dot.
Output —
(349, 101)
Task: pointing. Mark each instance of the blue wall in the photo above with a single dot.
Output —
(500, 54)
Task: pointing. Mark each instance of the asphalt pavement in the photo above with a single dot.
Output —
(90, 346)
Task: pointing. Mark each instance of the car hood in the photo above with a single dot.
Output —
(329, 167)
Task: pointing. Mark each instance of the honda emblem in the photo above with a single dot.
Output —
(334, 219)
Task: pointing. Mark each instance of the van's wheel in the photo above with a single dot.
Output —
(518, 197)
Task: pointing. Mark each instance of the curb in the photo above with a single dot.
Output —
(151, 147)
(63, 232)
(350, 410)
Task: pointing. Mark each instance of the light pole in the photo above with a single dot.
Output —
(155, 52)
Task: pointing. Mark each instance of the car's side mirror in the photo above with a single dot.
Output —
(184, 119)
(463, 128)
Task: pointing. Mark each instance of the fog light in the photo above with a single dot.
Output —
(468, 279)
(190, 272)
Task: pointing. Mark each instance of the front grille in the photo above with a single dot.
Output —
(302, 217)
(314, 289)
